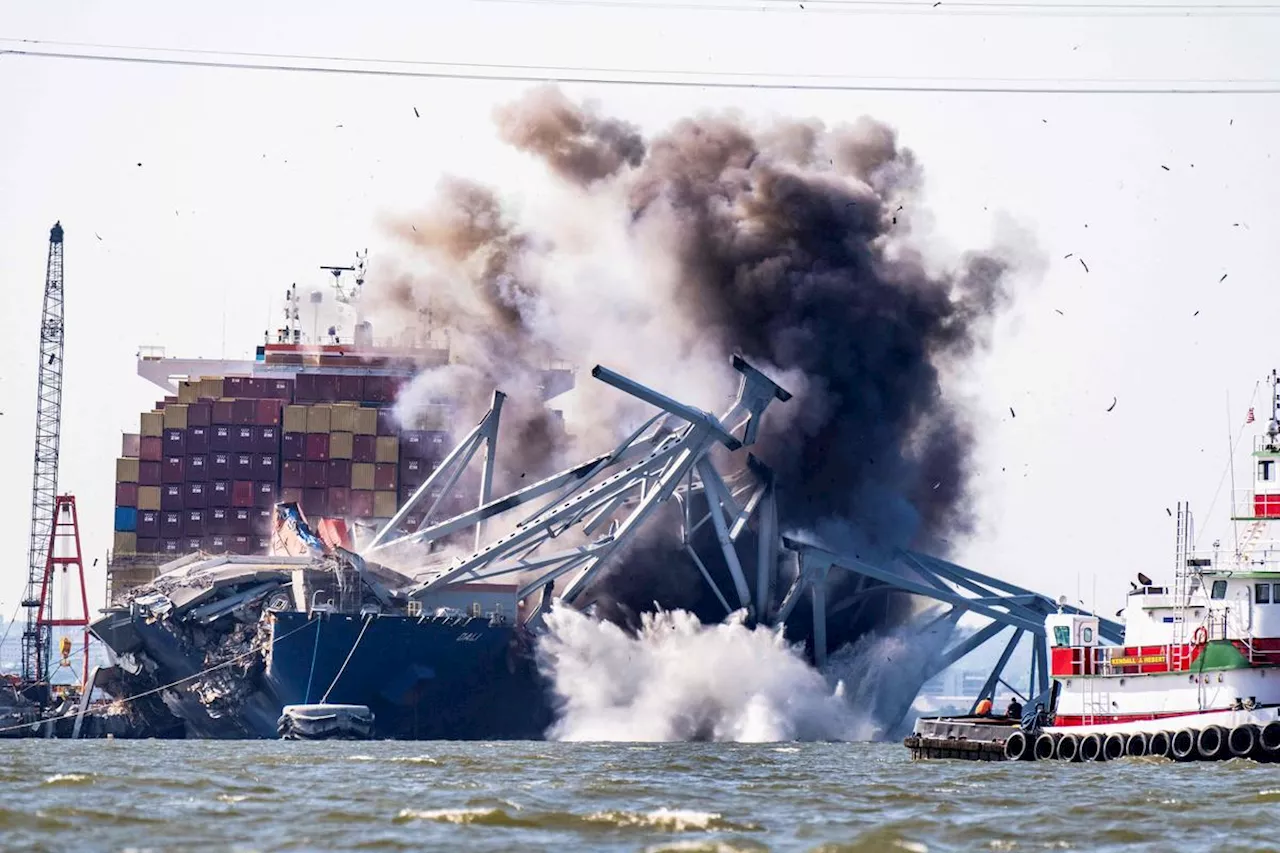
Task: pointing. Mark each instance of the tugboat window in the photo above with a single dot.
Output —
(1219, 589)
(1275, 593)
(1262, 593)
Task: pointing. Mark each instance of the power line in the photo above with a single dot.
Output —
(667, 78)
(931, 7)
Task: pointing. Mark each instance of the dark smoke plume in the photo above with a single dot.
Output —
(789, 244)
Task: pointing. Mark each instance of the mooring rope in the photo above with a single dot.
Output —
(367, 622)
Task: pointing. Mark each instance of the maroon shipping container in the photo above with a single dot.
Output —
(304, 388)
(218, 493)
(242, 466)
(197, 470)
(264, 495)
(265, 467)
(127, 494)
(375, 389)
(171, 496)
(171, 472)
(242, 493)
(241, 522)
(262, 518)
(339, 474)
(292, 473)
(234, 386)
(281, 389)
(292, 495)
(149, 473)
(253, 387)
(267, 412)
(314, 503)
(220, 437)
(315, 475)
(245, 411)
(350, 389)
(150, 448)
(244, 439)
(364, 448)
(387, 424)
(171, 524)
(293, 445)
(215, 544)
(338, 501)
(317, 447)
(219, 521)
(198, 439)
(241, 545)
(193, 522)
(327, 387)
(148, 545)
(224, 412)
(175, 442)
(169, 399)
(267, 439)
(148, 523)
(199, 415)
(384, 476)
(360, 503)
(196, 496)
(220, 465)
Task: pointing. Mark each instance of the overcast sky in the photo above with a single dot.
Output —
(192, 197)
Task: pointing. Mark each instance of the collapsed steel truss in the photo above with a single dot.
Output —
(588, 512)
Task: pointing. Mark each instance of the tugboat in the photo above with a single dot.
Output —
(1197, 677)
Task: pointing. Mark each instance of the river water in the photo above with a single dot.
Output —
(118, 795)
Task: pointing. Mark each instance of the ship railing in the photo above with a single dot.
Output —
(1256, 555)
(1265, 444)
(1247, 504)
(150, 352)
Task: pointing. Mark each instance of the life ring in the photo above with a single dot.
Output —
(1200, 636)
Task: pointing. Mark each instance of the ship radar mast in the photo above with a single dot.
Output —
(346, 296)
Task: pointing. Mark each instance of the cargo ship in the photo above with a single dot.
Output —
(225, 603)
(1197, 675)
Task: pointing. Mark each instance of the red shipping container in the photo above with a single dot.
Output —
(197, 470)
(339, 473)
(218, 493)
(220, 465)
(264, 494)
(350, 389)
(364, 448)
(317, 447)
(220, 438)
(171, 524)
(196, 496)
(267, 412)
(242, 521)
(360, 503)
(242, 466)
(304, 388)
(172, 470)
(171, 496)
(149, 545)
(253, 387)
(242, 493)
(198, 439)
(193, 522)
(384, 477)
(281, 389)
(263, 517)
(215, 544)
(148, 523)
(338, 501)
(294, 445)
(219, 521)
(149, 473)
(224, 412)
(127, 494)
(245, 411)
(327, 387)
(241, 545)
(150, 448)
(199, 415)
(314, 503)
(265, 467)
(168, 546)
(267, 440)
(175, 442)
(234, 386)
(387, 424)
(315, 475)
(291, 496)
(291, 473)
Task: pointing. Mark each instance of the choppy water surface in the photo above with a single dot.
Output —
(102, 795)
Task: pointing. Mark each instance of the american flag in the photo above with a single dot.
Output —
(1249, 418)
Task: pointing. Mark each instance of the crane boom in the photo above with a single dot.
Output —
(37, 638)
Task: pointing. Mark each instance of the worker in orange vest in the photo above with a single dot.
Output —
(984, 708)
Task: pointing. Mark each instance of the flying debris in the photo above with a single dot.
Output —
(1197, 314)
(1166, 168)
(415, 113)
(1083, 264)
(1168, 512)
(1113, 404)
(95, 233)
(1068, 255)
(1012, 412)
(1059, 310)
(1224, 278)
